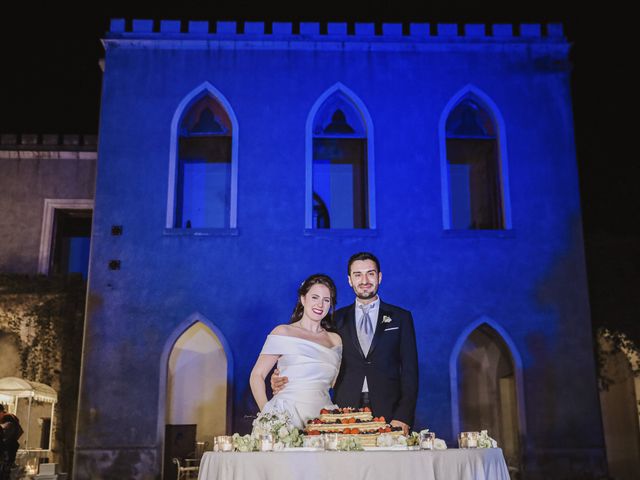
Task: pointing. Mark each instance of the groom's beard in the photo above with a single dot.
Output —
(366, 295)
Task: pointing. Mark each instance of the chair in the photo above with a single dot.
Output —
(189, 468)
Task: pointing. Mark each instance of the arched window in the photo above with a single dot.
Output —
(340, 176)
(475, 193)
(204, 166)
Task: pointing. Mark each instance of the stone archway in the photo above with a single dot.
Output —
(487, 390)
(197, 382)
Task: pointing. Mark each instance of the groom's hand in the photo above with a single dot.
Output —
(278, 382)
(398, 423)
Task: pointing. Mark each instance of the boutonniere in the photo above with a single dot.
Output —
(386, 319)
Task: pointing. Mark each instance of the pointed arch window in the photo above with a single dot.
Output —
(473, 168)
(204, 166)
(340, 176)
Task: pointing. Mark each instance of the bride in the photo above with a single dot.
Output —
(306, 351)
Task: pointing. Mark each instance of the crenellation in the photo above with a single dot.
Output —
(447, 29)
(29, 139)
(72, 139)
(254, 28)
(392, 29)
(365, 29)
(170, 26)
(502, 30)
(282, 28)
(530, 30)
(8, 139)
(226, 28)
(198, 26)
(474, 30)
(50, 139)
(337, 28)
(117, 25)
(309, 28)
(555, 30)
(419, 29)
(48, 146)
(142, 26)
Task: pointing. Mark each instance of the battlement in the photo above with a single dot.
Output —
(27, 146)
(316, 31)
(31, 140)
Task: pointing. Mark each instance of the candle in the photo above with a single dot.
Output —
(468, 440)
(427, 440)
(223, 443)
(331, 441)
(266, 443)
(227, 447)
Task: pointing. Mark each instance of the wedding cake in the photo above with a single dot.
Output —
(351, 423)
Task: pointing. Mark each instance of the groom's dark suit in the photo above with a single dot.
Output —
(391, 366)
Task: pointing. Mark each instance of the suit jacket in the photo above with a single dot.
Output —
(391, 365)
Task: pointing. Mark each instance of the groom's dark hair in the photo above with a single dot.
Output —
(363, 256)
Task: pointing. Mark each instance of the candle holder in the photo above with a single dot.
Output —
(266, 442)
(468, 439)
(427, 440)
(223, 443)
(331, 441)
(313, 441)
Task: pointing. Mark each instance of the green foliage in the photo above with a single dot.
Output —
(610, 343)
(613, 265)
(47, 315)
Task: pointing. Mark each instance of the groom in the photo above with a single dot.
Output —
(379, 358)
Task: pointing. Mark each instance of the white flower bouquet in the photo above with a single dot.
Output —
(279, 425)
(244, 443)
(485, 441)
(413, 440)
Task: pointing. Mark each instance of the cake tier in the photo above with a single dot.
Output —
(345, 413)
(369, 439)
(340, 427)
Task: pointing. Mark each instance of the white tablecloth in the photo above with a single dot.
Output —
(452, 464)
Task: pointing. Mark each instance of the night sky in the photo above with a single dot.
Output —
(50, 80)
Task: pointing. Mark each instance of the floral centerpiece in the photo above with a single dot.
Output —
(485, 441)
(349, 445)
(244, 443)
(279, 425)
(413, 440)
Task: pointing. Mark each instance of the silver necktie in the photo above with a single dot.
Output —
(366, 329)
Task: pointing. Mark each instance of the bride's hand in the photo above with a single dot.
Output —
(278, 382)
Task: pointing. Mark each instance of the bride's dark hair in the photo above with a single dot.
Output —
(316, 279)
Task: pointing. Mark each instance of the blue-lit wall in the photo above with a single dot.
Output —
(528, 280)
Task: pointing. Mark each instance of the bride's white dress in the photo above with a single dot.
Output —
(311, 369)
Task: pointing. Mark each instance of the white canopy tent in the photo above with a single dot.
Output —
(12, 389)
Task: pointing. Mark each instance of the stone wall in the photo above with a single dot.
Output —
(34, 168)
